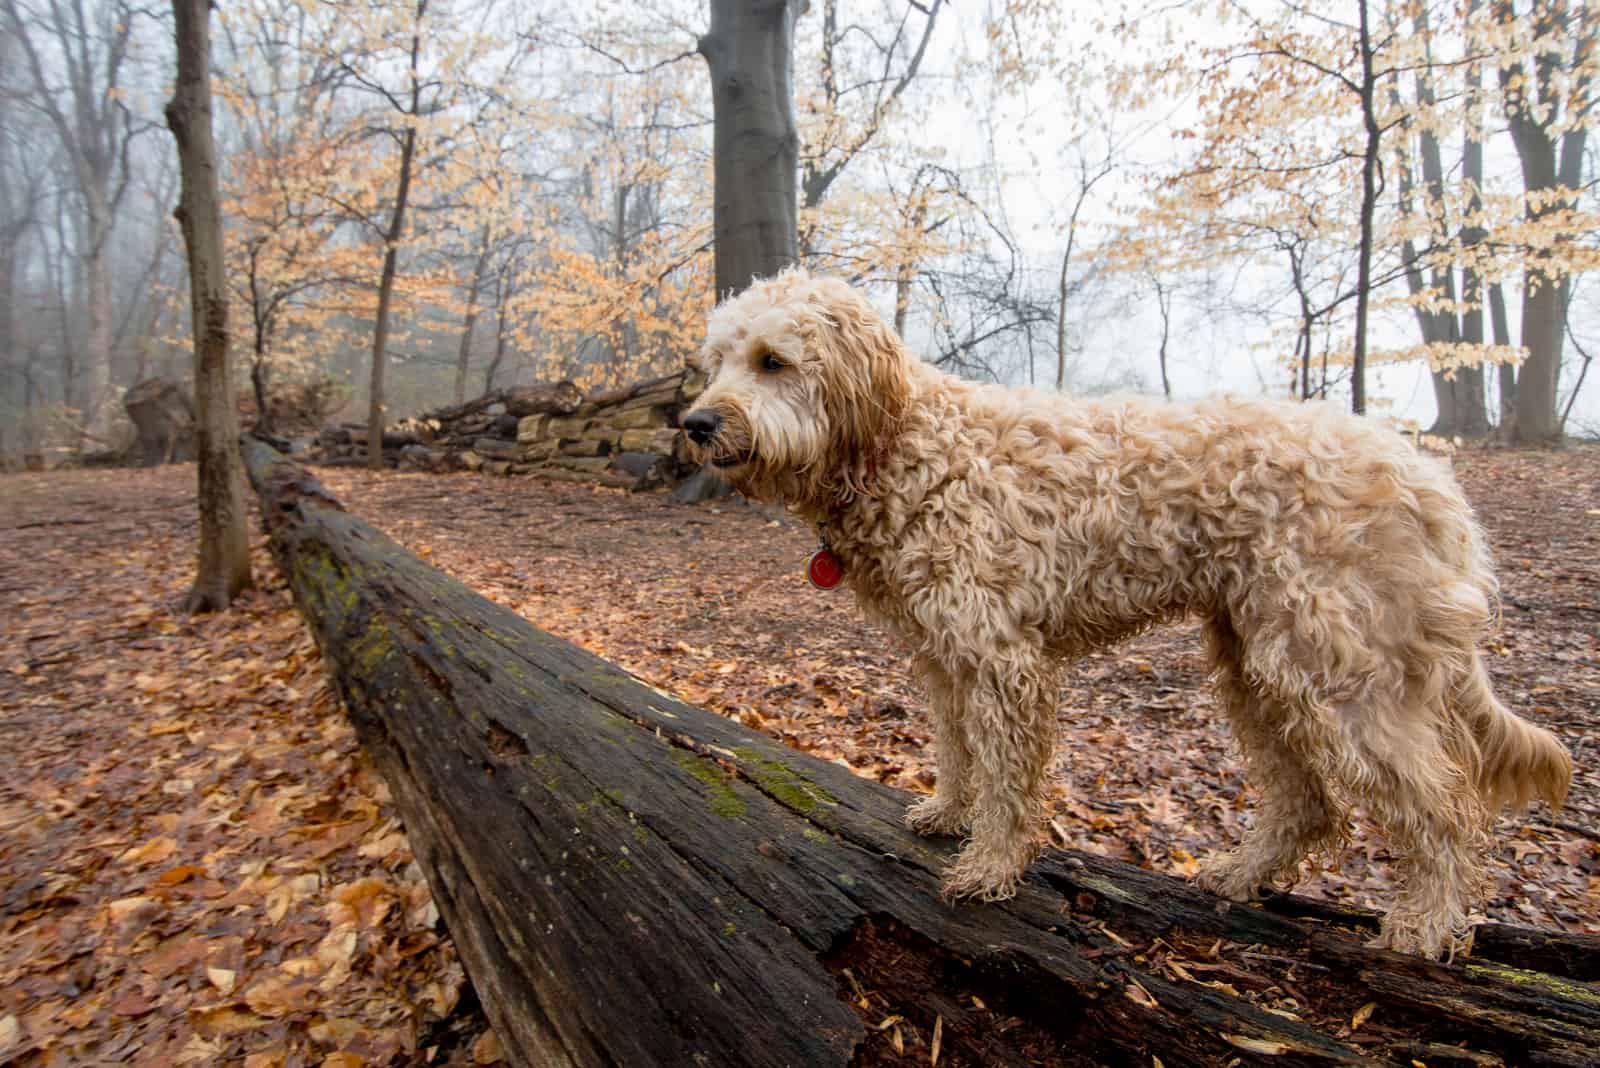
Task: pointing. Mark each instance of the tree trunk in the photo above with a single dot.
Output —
(750, 52)
(1534, 92)
(1164, 307)
(391, 242)
(1369, 203)
(224, 567)
(906, 271)
(1470, 381)
(464, 351)
(500, 325)
(1543, 305)
(634, 881)
(1500, 332)
(97, 336)
(1457, 389)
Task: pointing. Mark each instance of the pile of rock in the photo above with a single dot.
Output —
(622, 437)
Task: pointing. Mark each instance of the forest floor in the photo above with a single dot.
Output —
(197, 866)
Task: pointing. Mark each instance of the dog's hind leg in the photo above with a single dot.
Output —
(946, 811)
(1436, 826)
(1009, 721)
(1298, 813)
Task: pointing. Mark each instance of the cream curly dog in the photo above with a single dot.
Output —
(1340, 576)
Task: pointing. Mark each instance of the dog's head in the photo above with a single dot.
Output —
(804, 378)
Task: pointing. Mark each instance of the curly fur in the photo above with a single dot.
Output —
(1341, 577)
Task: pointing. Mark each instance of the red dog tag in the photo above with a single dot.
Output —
(824, 569)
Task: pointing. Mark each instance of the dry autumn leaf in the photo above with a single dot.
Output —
(152, 852)
(10, 1034)
(1265, 1047)
(487, 1049)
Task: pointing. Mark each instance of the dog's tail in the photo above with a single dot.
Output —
(1518, 760)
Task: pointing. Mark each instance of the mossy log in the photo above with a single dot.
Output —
(634, 881)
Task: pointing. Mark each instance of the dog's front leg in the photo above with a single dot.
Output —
(946, 812)
(1009, 725)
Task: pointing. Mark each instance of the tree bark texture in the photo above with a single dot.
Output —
(224, 566)
(634, 881)
(750, 52)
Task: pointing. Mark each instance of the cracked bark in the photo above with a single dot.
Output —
(631, 880)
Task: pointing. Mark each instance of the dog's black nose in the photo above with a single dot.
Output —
(701, 425)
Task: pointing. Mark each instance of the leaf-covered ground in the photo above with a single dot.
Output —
(197, 866)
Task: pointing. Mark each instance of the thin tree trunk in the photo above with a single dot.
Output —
(392, 234)
(1583, 372)
(1475, 422)
(1307, 319)
(907, 270)
(1458, 390)
(749, 50)
(66, 298)
(500, 317)
(1436, 327)
(97, 337)
(1164, 306)
(1500, 331)
(464, 351)
(1369, 202)
(1062, 292)
(31, 443)
(224, 567)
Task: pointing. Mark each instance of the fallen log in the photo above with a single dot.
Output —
(634, 881)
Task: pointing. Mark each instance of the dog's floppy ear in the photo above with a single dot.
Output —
(865, 370)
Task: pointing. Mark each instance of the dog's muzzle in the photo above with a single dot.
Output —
(702, 425)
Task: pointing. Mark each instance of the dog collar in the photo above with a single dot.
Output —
(824, 569)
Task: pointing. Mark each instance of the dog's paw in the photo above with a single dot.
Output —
(1226, 875)
(934, 816)
(980, 875)
(1424, 936)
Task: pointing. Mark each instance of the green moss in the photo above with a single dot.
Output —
(724, 802)
(320, 578)
(813, 835)
(730, 928)
(1105, 888)
(438, 628)
(371, 648)
(780, 782)
(1564, 988)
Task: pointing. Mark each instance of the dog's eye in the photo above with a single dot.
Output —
(771, 364)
